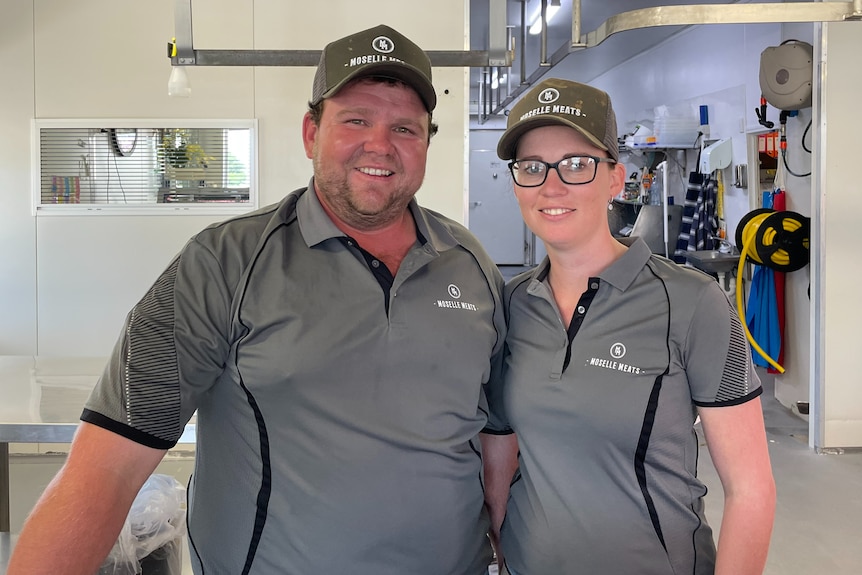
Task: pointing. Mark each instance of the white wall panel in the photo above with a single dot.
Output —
(17, 227)
(221, 24)
(101, 58)
(93, 269)
(795, 385)
(839, 278)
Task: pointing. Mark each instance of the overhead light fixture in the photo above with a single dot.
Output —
(536, 26)
(178, 83)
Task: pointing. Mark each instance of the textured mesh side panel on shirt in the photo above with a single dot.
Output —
(151, 380)
(736, 375)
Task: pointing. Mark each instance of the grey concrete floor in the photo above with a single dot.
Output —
(817, 530)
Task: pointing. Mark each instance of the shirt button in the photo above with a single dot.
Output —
(375, 263)
(581, 310)
(594, 286)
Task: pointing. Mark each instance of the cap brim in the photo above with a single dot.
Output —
(507, 146)
(404, 72)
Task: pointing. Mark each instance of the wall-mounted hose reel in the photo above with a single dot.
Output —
(786, 79)
(786, 74)
(778, 240)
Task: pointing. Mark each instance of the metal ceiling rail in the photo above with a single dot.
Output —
(500, 51)
(722, 14)
(442, 58)
(687, 15)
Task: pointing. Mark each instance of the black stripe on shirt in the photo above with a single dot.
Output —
(640, 456)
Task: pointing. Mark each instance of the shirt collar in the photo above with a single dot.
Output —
(314, 224)
(621, 273)
(316, 227)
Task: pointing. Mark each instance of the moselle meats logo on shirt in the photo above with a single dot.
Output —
(454, 292)
(617, 352)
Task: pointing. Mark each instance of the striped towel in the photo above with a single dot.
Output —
(704, 221)
(694, 194)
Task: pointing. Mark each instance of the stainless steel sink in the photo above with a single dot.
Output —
(713, 261)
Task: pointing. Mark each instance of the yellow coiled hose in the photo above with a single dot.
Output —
(749, 237)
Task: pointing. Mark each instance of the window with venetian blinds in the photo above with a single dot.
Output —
(151, 166)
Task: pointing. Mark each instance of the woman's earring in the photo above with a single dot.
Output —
(610, 205)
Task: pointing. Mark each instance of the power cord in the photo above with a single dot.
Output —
(782, 118)
(805, 133)
(119, 180)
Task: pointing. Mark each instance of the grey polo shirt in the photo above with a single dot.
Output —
(608, 454)
(335, 434)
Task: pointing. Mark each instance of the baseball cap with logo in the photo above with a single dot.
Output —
(557, 102)
(379, 51)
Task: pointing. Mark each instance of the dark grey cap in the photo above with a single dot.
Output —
(557, 102)
(380, 51)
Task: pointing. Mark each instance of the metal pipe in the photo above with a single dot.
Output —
(495, 92)
(487, 76)
(499, 91)
(537, 74)
(511, 39)
(183, 30)
(498, 48)
(5, 525)
(543, 55)
(523, 42)
(440, 58)
(576, 23)
(480, 104)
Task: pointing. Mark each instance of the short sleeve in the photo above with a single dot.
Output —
(173, 347)
(716, 354)
(498, 424)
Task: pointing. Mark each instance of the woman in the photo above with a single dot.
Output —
(613, 352)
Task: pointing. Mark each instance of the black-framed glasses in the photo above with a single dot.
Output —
(573, 170)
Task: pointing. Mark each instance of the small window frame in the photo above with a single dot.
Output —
(123, 146)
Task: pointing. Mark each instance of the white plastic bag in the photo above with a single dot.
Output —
(157, 517)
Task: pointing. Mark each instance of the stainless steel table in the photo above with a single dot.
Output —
(40, 402)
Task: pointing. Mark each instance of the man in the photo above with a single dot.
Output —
(334, 347)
